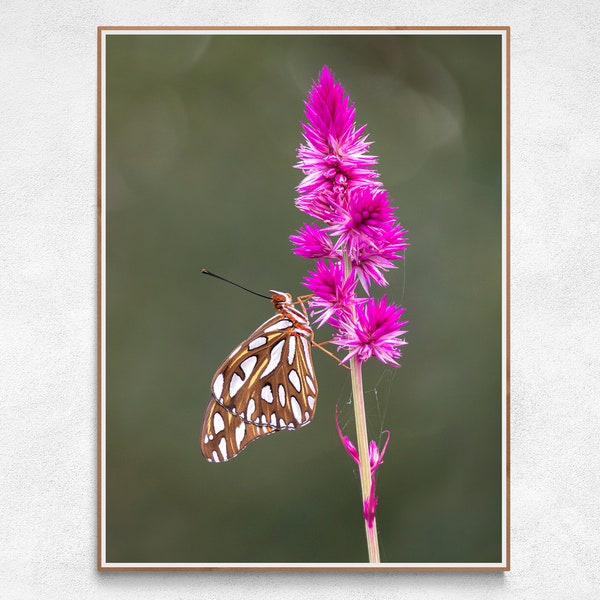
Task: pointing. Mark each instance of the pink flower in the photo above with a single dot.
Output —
(312, 242)
(323, 205)
(335, 156)
(372, 260)
(333, 294)
(365, 220)
(375, 332)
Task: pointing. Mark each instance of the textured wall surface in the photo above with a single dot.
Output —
(48, 302)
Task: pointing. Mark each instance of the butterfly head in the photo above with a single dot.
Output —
(280, 299)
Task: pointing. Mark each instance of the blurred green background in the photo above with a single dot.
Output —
(201, 135)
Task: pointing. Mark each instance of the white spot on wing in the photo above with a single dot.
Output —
(248, 366)
(311, 385)
(282, 423)
(250, 408)
(274, 359)
(291, 349)
(206, 439)
(257, 342)
(218, 423)
(215, 456)
(279, 325)
(296, 410)
(307, 355)
(235, 384)
(311, 402)
(267, 393)
(240, 432)
(218, 386)
(281, 394)
(294, 379)
(223, 448)
(273, 420)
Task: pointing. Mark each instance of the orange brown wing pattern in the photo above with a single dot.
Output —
(266, 384)
(224, 435)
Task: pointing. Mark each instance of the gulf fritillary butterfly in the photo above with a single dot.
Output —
(266, 384)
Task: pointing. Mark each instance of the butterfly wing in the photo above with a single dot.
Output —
(224, 435)
(287, 394)
(269, 379)
(266, 384)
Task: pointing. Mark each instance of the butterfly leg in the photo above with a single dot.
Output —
(320, 347)
(301, 300)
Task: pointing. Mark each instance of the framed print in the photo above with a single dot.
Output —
(349, 407)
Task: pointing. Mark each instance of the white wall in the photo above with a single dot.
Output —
(48, 301)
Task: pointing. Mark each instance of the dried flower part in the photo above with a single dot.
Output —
(370, 506)
(375, 455)
(348, 445)
(375, 460)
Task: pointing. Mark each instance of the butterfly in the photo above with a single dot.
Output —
(266, 384)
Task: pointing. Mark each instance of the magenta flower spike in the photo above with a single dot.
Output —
(358, 241)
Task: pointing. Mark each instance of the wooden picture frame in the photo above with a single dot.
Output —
(143, 130)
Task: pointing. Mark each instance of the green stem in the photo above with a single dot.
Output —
(363, 441)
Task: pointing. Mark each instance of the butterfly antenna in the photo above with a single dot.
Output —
(207, 272)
